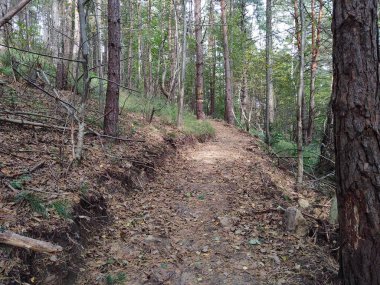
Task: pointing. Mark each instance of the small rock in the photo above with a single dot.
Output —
(295, 222)
(205, 249)
(297, 267)
(303, 203)
(276, 259)
(228, 223)
(238, 232)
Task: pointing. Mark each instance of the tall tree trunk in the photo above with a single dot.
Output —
(139, 43)
(62, 71)
(199, 60)
(228, 105)
(212, 58)
(244, 99)
(300, 97)
(316, 29)
(356, 116)
(111, 112)
(130, 46)
(183, 71)
(98, 55)
(269, 115)
(86, 84)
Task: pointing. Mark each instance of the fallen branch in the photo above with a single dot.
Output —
(17, 113)
(271, 210)
(41, 54)
(10, 238)
(37, 124)
(28, 171)
(112, 137)
(30, 123)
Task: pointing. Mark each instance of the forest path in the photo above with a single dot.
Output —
(194, 223)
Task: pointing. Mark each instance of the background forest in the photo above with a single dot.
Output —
(98, 99)
(263, 41)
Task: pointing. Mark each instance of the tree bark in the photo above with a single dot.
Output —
(199, 61)
(300, 97)
(269, 115)
(316, 29)
(228, 105)
(357, 138)
(183, 71)
(111, 112)
(130, 46)
(98, 55)
(212, 58)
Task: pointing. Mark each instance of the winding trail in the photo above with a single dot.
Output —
(194, 224)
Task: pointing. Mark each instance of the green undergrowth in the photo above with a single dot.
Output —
(285, 148)
(289, 149)
(167, 112)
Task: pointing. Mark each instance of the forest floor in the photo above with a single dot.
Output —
(160, 209)
(196, 223)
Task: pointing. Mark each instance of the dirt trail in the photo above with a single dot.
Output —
(194, 224)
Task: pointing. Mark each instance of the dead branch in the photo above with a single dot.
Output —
(13, 11)
(36, 124)
(14, 155)
(11, 238)
(17, 113)
(40, 54)
(111, 137)
(28, 171)
(122, 86)
(266, 211)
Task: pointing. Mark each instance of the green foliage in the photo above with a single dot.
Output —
(62, 208)
(34, 202)
(6, 70)
(19, 182)
(119, 278)
(311, 152)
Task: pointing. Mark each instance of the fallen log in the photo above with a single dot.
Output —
(11, 238)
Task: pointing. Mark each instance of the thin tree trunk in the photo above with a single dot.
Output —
(183, 71)
(300, 97)
(98, 56)
(228, 107)
(84, 97)
(315, 44)
(269, 115)
(326, 160)
(212, 57)
(356, 117)
(130, 46)
(199, 60)
(245, 120)
(139, 42)
(111, 112)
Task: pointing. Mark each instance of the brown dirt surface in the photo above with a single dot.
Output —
(168, 210)
(195, 223)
